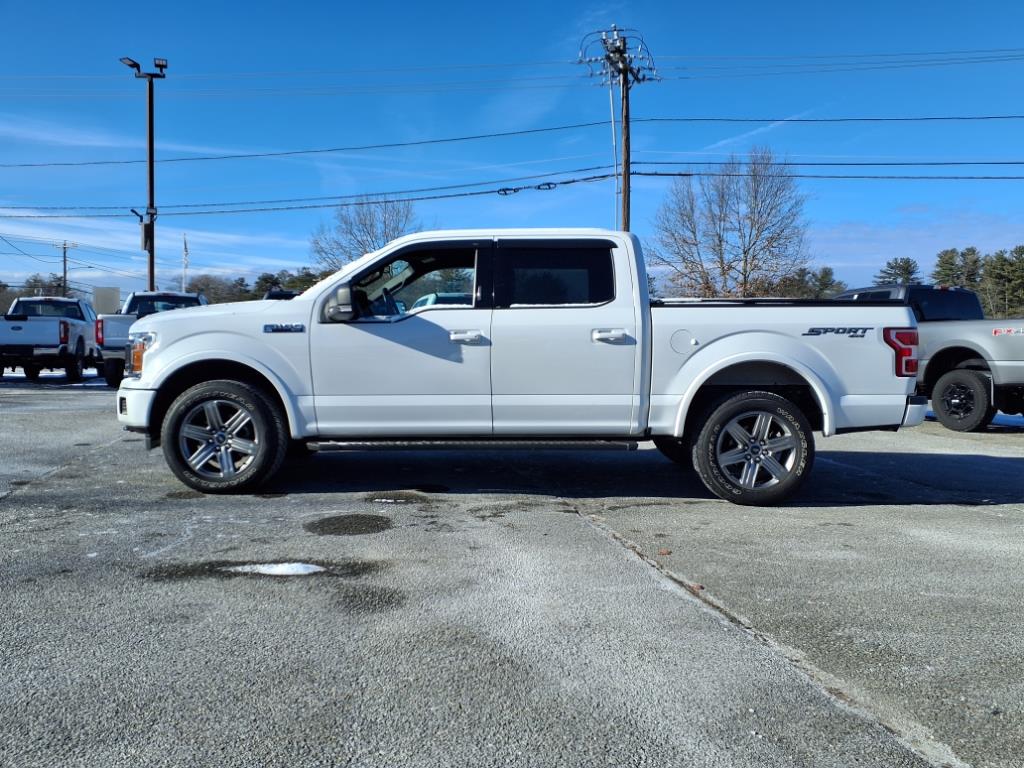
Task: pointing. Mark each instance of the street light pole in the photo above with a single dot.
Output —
(149, 226)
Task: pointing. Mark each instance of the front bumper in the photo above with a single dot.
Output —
(917, 407)
(134, 407)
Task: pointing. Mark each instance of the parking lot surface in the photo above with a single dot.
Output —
(528, 608)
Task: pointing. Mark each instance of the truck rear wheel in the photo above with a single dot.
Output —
(31, 372)
(75, 366)
(224, 436)
(113, 372)
(962, 401)
(754, 448)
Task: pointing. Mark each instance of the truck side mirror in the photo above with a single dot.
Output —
(340, 309)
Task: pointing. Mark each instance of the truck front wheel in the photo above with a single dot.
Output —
(224, 436)
(754, 448)
(962, 401)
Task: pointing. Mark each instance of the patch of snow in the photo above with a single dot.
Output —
(276, 569)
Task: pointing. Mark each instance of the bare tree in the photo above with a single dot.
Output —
(736, 233)
(360, 227)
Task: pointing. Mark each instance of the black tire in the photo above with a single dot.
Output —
(31, 372)
(75, 365)
(298, 453)
(113, 372)
(962, 400)
(769, 463)
(253, 451)
(674, 449)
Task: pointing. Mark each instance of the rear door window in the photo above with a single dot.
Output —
(552, 276)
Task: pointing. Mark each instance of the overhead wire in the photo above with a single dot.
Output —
(522, 132)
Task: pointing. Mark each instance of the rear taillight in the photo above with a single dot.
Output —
(65, 332)
(904, 343)
(99, 332)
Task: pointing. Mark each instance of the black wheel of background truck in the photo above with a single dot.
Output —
(113, 372)
(75, 365)
(962, 400)
(31, 372)
(674, 449)
(754, 448)
(223, 437)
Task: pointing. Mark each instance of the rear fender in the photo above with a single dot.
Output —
(815, 370)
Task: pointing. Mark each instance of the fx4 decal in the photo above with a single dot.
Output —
(850, 332)
(1007, 331)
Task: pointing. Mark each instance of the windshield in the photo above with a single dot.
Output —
(147, 305)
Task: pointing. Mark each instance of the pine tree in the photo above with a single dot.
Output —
(959, 268)
(899, 270)
(947, 267)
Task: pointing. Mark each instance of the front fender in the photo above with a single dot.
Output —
(277, 367)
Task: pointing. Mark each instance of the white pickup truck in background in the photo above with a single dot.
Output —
(49, 332)
(556, 342)
(112, 329)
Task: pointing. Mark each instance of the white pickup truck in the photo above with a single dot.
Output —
(112, 329)
(49, 332)
(557, 342)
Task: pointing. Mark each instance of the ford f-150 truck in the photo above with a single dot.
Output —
(559, 341)
(970, 367)
(49, 332)
(112, 330)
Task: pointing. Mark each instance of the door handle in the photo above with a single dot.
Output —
(465, 337)
(608, 334)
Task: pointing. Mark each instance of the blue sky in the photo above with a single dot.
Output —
(265, 77)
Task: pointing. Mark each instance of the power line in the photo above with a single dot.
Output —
(872, 176)
(504, 191)
(446, 187)
(391, 193)
(525, 132)
(324, 150)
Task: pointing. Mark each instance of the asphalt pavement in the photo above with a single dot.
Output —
(487, 608)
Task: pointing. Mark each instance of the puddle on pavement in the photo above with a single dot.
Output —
(233, 569)
(397, 497)
(349, 525)
(271, 495)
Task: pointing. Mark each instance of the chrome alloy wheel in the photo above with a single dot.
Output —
(756, 450)
(218, 439)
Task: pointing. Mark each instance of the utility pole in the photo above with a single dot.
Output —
(614, 62)
(149, 227)
(64, 248)
(184, 261)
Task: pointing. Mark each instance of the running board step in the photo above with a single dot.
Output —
(477, 445)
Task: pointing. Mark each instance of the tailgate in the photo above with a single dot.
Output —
(19, 330)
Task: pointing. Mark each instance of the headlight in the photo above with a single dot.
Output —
(138, 345)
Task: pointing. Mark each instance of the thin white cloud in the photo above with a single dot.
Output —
(734, 140)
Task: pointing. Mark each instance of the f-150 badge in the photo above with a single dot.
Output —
(284, 328)
(849, 332)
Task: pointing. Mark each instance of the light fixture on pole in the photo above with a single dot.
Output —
(149, 226)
